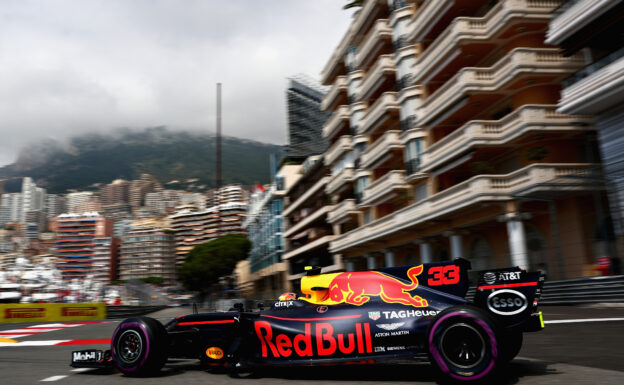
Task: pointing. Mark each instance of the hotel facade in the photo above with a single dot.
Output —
(446, 140)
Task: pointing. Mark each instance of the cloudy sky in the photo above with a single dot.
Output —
(74, 66)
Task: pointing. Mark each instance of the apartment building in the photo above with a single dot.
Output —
(446, 142)
(148, 252)
(116, 192)
(194, 227)
(308, 233)
(267, 270)
(226, 194)
(75, 242)
(592, 28)
(105, 259)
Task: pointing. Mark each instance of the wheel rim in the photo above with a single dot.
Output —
(462, 346)
(129, 346)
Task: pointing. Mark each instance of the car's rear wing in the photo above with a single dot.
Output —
(511, 296)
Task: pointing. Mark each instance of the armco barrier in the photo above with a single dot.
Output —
(125, 311)
(51, 312)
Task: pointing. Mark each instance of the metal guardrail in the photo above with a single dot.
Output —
(578, 291)
(125, 311)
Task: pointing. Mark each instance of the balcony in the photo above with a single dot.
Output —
(453, 44)
(320, 242)
(317, 215)
(476, 133)
(339, 181)
(596, 88)
(337, 94)
(573, 16)
(385, 188)
(383, 71)
(475, 191)
(304, 200)
(336, 122)
(338, 149)
(374, 41)
(343, 212)
(385, 108)
(379, 151)
(510, 71)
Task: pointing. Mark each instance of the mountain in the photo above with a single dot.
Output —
(170, 156)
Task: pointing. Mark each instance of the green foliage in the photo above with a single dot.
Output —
(154, 280)
(208, 262)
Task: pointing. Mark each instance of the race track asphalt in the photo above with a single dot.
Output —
(564, 353)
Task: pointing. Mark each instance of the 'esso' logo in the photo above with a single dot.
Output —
(507, 302)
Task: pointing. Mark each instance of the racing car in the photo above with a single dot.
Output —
(391, 315)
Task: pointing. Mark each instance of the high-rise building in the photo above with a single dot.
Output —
(55, 205)
(33, 197)
(227, 194)
(78, 200)
(445, 140)
(308, 234)
(595, 29)
(116, 192)
(75, 242)
(305, 118)
(140, 187)
(105, 259)
(196, 227)
(265, 225)
(10, 208)
(148, 253)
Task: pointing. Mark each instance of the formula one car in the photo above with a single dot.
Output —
(391, 315)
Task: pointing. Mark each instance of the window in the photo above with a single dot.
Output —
(413, 152)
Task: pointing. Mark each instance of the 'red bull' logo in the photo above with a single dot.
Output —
(79, 311)
(323, 342)
(356, 288)
(34, 312)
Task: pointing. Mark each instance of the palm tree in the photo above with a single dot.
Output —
(353, 4)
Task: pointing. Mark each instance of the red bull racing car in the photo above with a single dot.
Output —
(391, 315)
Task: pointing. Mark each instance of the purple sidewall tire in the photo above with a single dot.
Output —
(489, 336)
(138, 326)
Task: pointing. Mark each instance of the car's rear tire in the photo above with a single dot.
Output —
(511, 345)
(463, 343)
(139, 346)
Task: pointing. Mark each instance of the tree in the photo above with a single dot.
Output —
(207, 262)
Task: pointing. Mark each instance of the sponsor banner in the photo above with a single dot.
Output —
(47, 312)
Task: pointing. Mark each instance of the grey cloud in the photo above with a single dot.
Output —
(83, 65)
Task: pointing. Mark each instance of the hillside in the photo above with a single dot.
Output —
(168, 155)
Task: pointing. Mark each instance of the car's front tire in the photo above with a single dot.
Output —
(463, 343)
(139, 346)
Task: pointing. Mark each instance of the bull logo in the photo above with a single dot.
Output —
(356, 288)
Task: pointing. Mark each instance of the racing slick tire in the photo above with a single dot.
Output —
(139, 346)
(463, 344)
(511, 345)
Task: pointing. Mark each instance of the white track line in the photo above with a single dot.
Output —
(53, 378)
(570, 321)
(33, 343)
(80, 370)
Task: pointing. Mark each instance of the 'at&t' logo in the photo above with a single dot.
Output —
(35, 312)
(507, 302)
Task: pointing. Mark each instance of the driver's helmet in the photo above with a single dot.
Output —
(288, 297)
